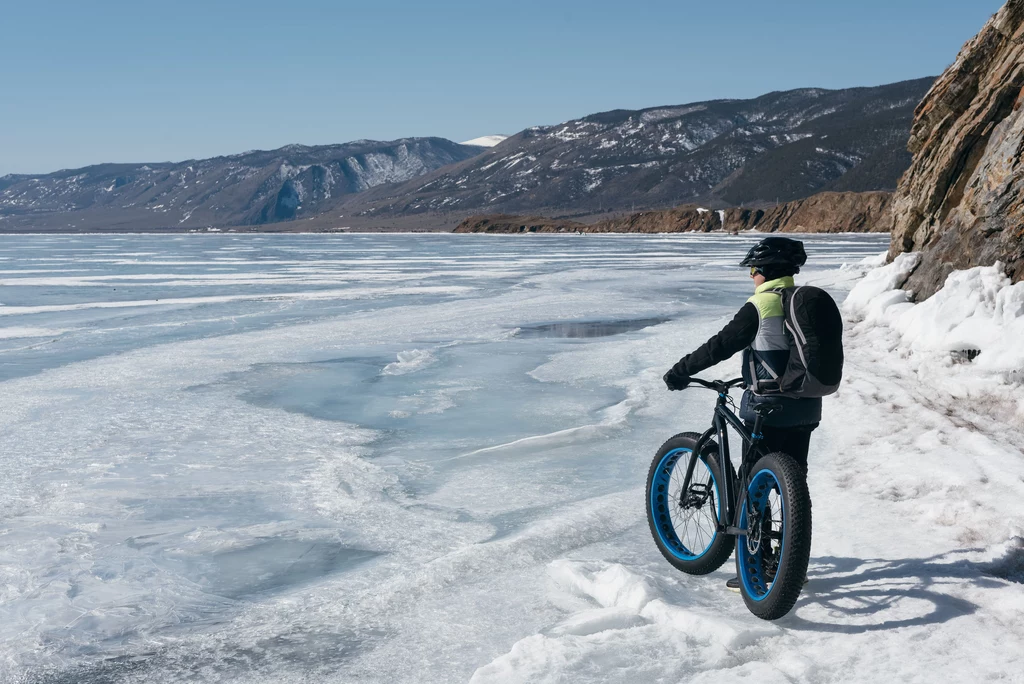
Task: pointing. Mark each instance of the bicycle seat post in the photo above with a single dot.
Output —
(761, 412)
(756, 434)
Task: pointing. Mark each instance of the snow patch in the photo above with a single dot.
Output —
(486, 140)
(654, 115)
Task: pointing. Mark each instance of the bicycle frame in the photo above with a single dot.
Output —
(723, 418)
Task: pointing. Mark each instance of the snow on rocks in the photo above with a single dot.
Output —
(977, 315)
(877, 290)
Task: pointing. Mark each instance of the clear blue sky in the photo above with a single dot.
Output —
(111, 80)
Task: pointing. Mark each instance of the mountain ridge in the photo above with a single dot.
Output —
(759, 152)
(778, 147)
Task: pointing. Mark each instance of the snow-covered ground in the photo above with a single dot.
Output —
(388, 458)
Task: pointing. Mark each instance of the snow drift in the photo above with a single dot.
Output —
(976, 320)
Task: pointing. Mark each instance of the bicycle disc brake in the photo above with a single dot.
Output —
(696, 496)
(754, 532)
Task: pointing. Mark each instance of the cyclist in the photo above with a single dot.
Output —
(757, 330)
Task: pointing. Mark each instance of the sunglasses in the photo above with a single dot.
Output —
(754, 271)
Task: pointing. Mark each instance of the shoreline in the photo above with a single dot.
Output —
(425, 232)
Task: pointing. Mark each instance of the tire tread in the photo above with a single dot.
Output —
(797, 547)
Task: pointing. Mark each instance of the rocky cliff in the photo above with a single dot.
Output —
(827, 212)
(961, 202)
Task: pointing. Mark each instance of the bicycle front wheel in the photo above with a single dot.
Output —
(685, 524)
(772, 556)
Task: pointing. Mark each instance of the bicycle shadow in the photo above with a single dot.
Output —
(856, 595)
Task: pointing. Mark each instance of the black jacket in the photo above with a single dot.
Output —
(736, 336)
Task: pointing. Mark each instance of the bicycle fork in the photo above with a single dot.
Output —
(694, 495)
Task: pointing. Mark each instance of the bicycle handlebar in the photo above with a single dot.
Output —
(720, 386)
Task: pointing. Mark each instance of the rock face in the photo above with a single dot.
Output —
(827, 212)
(686, 218)
(778, 147)
(961, 202)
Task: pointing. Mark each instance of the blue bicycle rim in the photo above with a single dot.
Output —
(660, 505)
(752, 567)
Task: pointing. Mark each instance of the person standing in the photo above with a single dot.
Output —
(758, 330)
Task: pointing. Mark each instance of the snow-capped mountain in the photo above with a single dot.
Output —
(780, 146)
(486, 140)
(251, 188)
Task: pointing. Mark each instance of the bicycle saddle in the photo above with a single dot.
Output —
(767, 409)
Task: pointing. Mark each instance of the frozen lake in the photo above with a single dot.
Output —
(337, 458)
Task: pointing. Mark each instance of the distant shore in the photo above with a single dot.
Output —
(826, 212)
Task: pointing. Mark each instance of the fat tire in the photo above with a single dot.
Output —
(796, 544)
(722, 546)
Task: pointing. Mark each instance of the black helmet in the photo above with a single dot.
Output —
(778, 254)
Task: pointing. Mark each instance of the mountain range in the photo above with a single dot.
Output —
(770, 149)
(774, 148)
(249, 189)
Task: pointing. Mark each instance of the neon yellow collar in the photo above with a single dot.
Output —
(778, 283)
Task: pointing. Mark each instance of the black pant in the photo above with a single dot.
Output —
(795, 441)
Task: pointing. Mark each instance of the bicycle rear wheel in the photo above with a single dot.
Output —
(685, 525)
(771, 558)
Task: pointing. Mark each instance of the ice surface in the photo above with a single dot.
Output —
(12, 333)
(409, 362)
(332, 458)
(586, 328)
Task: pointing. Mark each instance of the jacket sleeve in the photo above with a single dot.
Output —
(735, 336)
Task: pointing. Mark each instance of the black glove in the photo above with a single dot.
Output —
(676, 380)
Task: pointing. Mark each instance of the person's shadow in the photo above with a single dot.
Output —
(854, 595)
